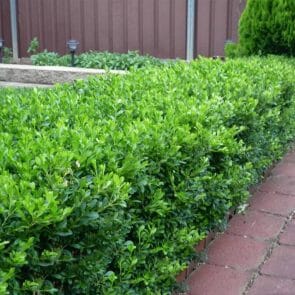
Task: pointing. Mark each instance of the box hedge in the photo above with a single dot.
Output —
(107, 184)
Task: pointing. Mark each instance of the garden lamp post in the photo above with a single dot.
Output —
(1, 48)
(73, 45)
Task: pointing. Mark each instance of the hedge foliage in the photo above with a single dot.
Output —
(106, 185)
(268, 26)
(98, 60)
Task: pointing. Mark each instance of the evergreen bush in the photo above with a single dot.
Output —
(268, 27)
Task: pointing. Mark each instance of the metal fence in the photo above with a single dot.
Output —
(217, 21)
(5, 26)
(156, 27)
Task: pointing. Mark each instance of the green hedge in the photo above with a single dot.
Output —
(98, 60)
(268, 26)
(106, 185)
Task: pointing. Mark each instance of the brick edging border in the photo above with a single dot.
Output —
(204, 244)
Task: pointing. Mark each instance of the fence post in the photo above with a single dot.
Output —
(14, 33)
(190, 37)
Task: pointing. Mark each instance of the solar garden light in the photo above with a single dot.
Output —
(1, 48)
(73, 45)
(229, 41)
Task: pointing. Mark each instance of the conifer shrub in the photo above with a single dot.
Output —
(268, 27)
(107, 184)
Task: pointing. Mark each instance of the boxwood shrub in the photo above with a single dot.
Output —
(107, 184)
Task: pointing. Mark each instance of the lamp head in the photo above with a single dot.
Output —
(229, 41)
(72, 45)
(1, 43)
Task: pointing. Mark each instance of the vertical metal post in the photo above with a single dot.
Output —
(190, 37)
(72, 58)
(14, 32)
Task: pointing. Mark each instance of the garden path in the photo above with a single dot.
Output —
(256, 255)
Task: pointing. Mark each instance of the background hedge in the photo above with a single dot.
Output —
(106, 185)
(268, 26)
(98, 60)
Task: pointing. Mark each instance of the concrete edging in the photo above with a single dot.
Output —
(47, 75)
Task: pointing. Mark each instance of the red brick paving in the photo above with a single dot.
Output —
(256, 224)
(216, 280)
(289, 158)
(279, 184)
(284, 169)
(281, 263)
(256, 255)
(237, 251)
(288, 236)
(264, 285)
(273, 203)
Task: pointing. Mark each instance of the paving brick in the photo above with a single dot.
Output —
(213, 280)
(272, 286)
(281, 263)
(284, 169)
(273, 203)
(279, 184)
(289, 158)
(288, 236)
(256, 224)
(237, 251)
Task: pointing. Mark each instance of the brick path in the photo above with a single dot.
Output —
(256, 255)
